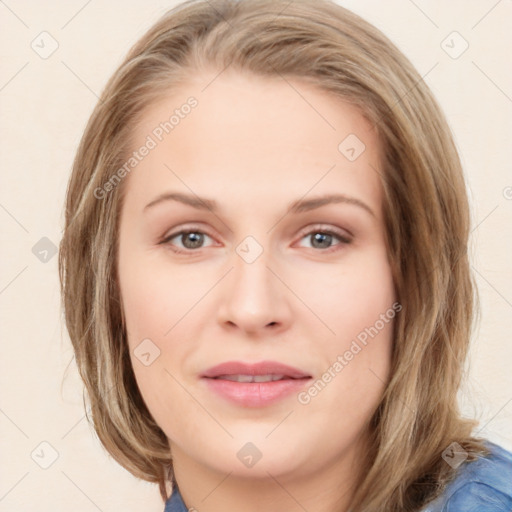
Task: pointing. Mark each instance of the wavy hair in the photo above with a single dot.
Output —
(426, 215)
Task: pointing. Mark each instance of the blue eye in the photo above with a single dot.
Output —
(190, 240)
(323, 239)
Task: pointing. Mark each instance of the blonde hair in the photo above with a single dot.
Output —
(426, 215)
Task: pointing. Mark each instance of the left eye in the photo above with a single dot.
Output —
(322, 239)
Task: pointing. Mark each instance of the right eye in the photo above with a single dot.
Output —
(190, 240)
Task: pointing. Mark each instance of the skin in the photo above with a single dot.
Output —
(255, 145)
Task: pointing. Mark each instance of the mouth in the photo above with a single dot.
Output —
(254, 385)
(272, 369)
(252, 378)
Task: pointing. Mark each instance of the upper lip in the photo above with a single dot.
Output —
(260, 368)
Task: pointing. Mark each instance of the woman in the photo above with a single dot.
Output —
(265, 273)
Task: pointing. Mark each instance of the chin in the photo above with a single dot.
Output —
(278, 465)
(256, 457)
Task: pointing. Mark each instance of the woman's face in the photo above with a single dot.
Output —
(257, 283)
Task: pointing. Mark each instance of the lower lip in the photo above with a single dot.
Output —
(255, 394)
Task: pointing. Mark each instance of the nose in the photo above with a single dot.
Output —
(253, 299)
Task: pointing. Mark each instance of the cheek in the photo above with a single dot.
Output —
(350, 298)
(358, 357)
(159, 305)
(343, 398)
(156, 297)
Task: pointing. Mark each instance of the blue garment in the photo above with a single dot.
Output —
(175, 503)
(484, 485)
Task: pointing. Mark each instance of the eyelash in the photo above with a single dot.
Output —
(344, 239)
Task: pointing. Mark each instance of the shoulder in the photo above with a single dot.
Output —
(481, 485)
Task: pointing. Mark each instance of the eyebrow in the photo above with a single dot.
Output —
(299, 206)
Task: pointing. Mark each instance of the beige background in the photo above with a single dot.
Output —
(45, 104)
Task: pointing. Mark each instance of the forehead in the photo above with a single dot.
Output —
(254, 135)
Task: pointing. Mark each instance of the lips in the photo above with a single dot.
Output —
(262, 369)
(254, 385)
